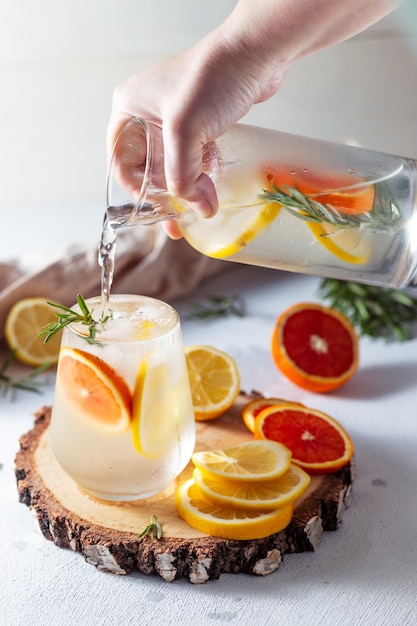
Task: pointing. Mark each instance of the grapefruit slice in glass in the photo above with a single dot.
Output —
(94, 389)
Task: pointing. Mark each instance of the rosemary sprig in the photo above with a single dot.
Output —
(69, 316)
(385, 213)
(25, 383)
(154, 529)
(376, 312)
(216, 306)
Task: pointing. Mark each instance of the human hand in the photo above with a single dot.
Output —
(194, 96)
(198, 94)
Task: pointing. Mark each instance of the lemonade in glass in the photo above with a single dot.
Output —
(122, 422)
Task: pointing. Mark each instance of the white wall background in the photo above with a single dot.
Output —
(59, 63)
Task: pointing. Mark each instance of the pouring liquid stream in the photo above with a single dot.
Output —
(117, 217)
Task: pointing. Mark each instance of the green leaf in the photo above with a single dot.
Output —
(65, 316)
(154, 529)
(384, 214)
(24, 383)
(216, 306)
(376, 312)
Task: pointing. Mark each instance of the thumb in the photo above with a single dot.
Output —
(183, 162)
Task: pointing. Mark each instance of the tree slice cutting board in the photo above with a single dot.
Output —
(107, 533)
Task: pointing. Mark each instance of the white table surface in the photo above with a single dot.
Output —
(363, 573)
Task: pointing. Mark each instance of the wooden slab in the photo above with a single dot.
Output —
(107, 533)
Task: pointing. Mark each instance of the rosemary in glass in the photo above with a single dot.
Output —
(66, 316)
(384, 214)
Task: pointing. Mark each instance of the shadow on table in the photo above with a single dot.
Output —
(378, 381)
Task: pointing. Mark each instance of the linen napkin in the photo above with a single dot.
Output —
(147, 262)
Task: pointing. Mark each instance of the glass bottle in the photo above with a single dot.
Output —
(285, 201)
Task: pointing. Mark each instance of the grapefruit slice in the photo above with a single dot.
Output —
(315, 347)
(94, 389)
(254, 407)
(318, 443)
(345, 192)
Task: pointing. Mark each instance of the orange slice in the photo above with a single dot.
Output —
(257, 496)
(315, 347)
(339, 191)
(248, 461)
(214, 381)
(228, 522)
(318, 443)
(345, 192)
(95, 389)
(348, 195)
(254, 407)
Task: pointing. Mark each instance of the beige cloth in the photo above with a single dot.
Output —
(147, 262)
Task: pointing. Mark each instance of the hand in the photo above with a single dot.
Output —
(194, 96)
(198, 94)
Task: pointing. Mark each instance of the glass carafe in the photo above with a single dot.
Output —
(285, 201)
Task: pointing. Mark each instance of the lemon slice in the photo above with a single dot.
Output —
(257, 496)
(24, 321)
(228, 522)
(154, 416)
(214, 381)
(230, 230)
(347, 244)
(248, 461)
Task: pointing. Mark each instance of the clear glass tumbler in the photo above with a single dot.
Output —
(286, 202)
(122, 422)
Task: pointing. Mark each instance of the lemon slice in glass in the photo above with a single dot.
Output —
(230, 230)
(347, 244)
(154, 422)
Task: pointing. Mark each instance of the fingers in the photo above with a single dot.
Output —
(172, 229)
(192, 98)
(185, 179)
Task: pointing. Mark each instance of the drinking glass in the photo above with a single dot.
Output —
(286, 202)
(122, 422)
